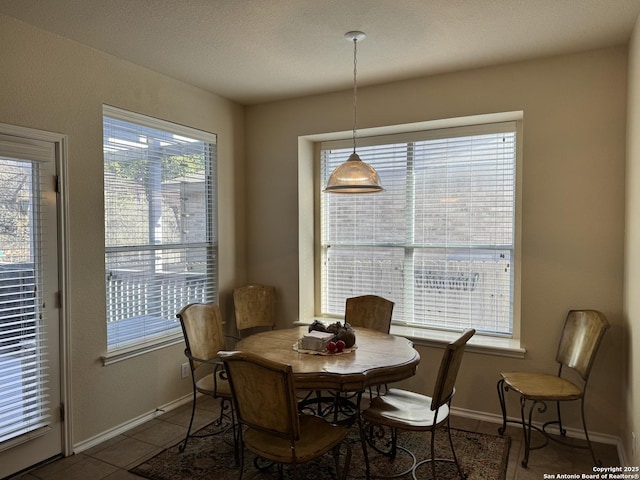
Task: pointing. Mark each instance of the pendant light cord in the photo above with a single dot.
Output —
(355, 90)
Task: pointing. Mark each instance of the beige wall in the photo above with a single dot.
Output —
(573, 202)
(632, 254)
(53, 84)
(572, 214)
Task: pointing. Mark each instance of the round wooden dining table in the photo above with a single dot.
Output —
(378, 358)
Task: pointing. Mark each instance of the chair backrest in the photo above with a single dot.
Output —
(450, 364)
(581, 336)
(263, 393)
(202, 328)
(369, 311)
(255, 306)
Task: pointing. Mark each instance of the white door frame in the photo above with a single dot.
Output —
(60, 142)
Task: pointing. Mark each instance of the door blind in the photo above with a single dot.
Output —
(24, 377)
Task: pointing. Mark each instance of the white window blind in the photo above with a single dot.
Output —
(24, 380)
(160, 225)
(439, 241)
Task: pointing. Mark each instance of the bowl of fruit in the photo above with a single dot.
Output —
(345, 337)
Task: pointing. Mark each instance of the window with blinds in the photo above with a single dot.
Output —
(439, 241)
(160, 225)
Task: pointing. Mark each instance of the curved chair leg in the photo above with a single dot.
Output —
(241, 454)
(501, 389)
(526, 429)
(563, 432)
(596, 462)
(363, 442)
(453, 452)
(341, 473)
(433, 460)
(236, 435)
(433, 454)
(193, 412)
(225, 404)
(527, 426)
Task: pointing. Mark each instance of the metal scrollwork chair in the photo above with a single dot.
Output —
(266, 406)
(405, 410)
(202, 328)
(255, 308)
(581, 336)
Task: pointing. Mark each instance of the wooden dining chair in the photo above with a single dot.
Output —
(270, 425)
(581, 336)
(202, 328)
(255, 308)
(404, 410)
(369, 311)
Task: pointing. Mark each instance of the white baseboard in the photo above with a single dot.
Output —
(460, 412)
(123, 427)
(571, 432)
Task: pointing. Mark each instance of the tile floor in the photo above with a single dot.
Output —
(111, 460)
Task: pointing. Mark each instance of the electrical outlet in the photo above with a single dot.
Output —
(185, 370)
(633, 445)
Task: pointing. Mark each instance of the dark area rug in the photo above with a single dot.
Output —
(481, 456)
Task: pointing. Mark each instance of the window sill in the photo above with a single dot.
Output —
(497, 346)
(118, 355)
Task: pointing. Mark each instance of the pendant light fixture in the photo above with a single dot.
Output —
(354, 175)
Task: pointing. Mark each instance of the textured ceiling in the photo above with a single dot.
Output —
(254, 51)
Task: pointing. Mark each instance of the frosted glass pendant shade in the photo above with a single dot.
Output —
(354, 176)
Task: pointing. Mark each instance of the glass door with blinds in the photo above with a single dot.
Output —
(30, 416)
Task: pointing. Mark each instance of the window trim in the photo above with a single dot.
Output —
(309, 243)
(166, 339)
(124, 353)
